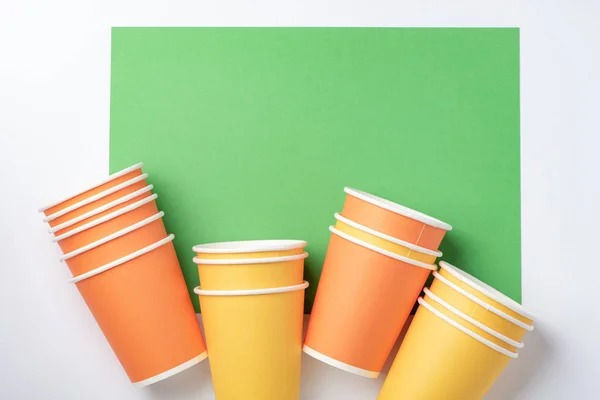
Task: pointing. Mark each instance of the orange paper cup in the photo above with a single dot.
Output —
(100, 212)
(251, 273)
(441, 359)
(107, 225)
(385, 242)
(249, 249)
(364, 297)
(394, 219)
(111, 181)
(471, 323)
(100, 200)
(143, 307)
(117, 245)
(485, 292)
(478, 309)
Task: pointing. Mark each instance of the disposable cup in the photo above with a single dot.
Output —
(478, 309)
(111, 181)
(142, 306)
(255, 341)
(249, 249)
(384, 241)
(470, 323)
(107, 225)
(97, 201)
(100, 212)
(394, 219)
(117, 245)
(364, 297)
(441, 359)
(251, 273)
(485, 292)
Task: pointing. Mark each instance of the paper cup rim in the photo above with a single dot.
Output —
(473, 321)
(248, 246)
(339, 364)
(398, 208)
(467, 331)
(245, 261)
(95, 197)
(389, 238)
(102, 182)
(107, 217)
(250, 292)
(112, 236)
(482, 303)
(122, 260)
(100, 209)
(486, 289)
(352, 239)
(173, 371)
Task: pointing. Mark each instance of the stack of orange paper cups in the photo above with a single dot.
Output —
(379, 258)
(252, 302)
(125, 267)
(463, 335)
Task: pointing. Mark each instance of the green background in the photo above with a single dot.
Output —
(252, 133)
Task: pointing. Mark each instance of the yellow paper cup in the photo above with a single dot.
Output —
(470, 323)
(441, 359)
(255, 341)
(249, 249)
(478, 309)
(251, 273)
(384, 241)
(485, 292)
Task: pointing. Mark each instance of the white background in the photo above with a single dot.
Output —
(54, 135)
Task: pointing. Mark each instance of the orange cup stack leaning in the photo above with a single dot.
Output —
(124, 265)
(378, 260)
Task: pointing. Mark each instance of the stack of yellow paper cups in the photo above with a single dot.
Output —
(124, 265)
(252, 302)
(378, 260)
(463, 335)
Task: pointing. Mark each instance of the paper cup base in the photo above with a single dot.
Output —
(338, 364)
(172, 371)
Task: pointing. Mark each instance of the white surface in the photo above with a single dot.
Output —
(54, 113)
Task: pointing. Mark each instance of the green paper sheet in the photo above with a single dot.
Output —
(252, 133)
